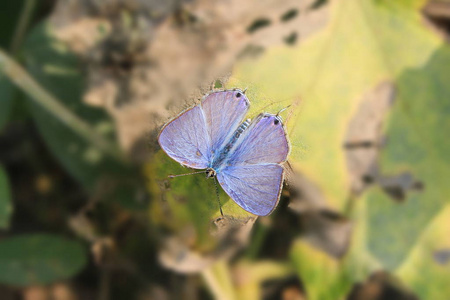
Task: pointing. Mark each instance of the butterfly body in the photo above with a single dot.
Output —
(245, 156)
(218, 162)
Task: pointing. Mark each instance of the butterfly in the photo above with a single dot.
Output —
(245, 156)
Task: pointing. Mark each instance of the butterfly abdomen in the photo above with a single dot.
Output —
(224, 152)
(241, 128)
(236, 135)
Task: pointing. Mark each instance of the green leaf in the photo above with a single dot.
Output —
(6, 100)
(323, 78)
(359, 261)
(5, 200)
(418, 144)
(218, 279)
(256, 274)
(58, 70)
(9, 14)
(365, 43)
(187, 201)
(324, 277)
(427, 268)
(39, 259)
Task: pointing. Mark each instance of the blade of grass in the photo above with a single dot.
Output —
(29, 86)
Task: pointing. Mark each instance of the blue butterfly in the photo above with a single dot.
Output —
(245, 156)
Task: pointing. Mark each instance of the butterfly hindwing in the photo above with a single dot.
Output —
(252, 175)
(264, 141)
(255, 188)
(185, 139)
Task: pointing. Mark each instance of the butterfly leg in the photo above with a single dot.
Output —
(173, 176)
(217, 194)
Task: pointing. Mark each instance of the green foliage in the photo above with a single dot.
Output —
(324, 277)
(424, 270)
(365, 43)
(58, 70)
(6, 100)
(5, 200)
(320, 80)
(188, 200)
(256, 274)
(39, 259)
(324, 77)
(9, 15)
(417, 131)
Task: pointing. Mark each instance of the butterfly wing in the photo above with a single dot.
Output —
(224, 111)
(185, 139)
(255, 188)
(193, 137)
(252, 175)
(264, 141)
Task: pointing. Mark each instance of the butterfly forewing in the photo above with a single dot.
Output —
(224, 112)
(255, 188)
(186, 140)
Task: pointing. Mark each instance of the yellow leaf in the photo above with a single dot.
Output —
(364, 43)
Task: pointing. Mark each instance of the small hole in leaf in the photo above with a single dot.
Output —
(289, 15)
(418, 186)
(258, 24)
(250, 51)
(184, 17)
(126, 65)
(367, 179)
(291, 39)
(358, 144)
(442, 257)
(218, 84)
(318, 4)
(396, 192)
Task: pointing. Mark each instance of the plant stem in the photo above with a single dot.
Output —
(259, 234)
(219, 281)
(36, 92)
(105, 284)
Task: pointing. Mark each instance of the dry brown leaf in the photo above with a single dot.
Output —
(325, 228)
(232, 234)
(364, 141)
(36, 293)
(304, 195)
(328, 231)
(364, 136)
(62, 291)
(322, 227)
(379, 286)
(145, 59)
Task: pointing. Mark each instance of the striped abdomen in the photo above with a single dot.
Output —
(230, 144)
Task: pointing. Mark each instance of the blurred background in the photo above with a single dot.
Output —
(87, 210)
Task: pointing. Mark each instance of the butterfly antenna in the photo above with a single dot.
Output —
(173, 176)
(244, 90)
(217, 194)
(283, 109)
